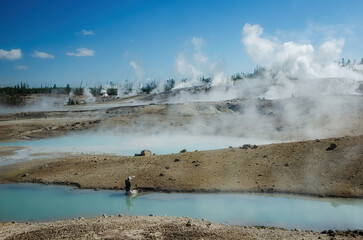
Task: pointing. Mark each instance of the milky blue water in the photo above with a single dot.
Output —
(33, 202)
(127, 145)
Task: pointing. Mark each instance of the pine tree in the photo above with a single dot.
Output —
(68, 89)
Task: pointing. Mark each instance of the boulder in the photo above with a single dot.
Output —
(246, 146)
(331, 147)
(146, 153)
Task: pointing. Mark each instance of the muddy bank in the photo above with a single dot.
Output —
(155, 228)
(306, 167)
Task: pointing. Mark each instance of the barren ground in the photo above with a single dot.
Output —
(155, 228)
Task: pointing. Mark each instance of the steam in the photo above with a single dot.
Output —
(88, 95)
(37, 104)
(197, 65)
(139, 72)
(293, 59)
(301, 92)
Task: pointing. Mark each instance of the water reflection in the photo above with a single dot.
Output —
(128, 200)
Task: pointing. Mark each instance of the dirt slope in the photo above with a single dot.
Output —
(305, 167)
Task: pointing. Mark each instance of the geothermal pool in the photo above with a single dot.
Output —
(127, 145)
(33, 202)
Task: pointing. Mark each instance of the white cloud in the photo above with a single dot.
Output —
(10, 55)
(138, 70)
(81, 52)
(21, 67)
(39, 54)
(85, 32)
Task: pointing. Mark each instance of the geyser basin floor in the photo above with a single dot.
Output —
(127, 145)
(32, 202)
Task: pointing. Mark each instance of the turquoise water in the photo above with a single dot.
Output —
(32, 202)
(127, 145)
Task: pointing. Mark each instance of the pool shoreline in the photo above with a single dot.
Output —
(160, 190)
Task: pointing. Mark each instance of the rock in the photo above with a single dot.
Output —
(146, 153)
(246, 146)
(331, 147)
(104, 215)
(151, 215)
(176, 160)
(26, 174)
(183, 151)
(286, 164)
(120, 215)
(81, 218)
(161, 174)
(189, 223)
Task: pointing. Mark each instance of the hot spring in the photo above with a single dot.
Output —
(33, 202)
(127, 144)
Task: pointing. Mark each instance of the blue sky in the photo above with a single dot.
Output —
(111, 41)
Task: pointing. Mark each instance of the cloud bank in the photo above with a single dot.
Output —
(13, 54)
